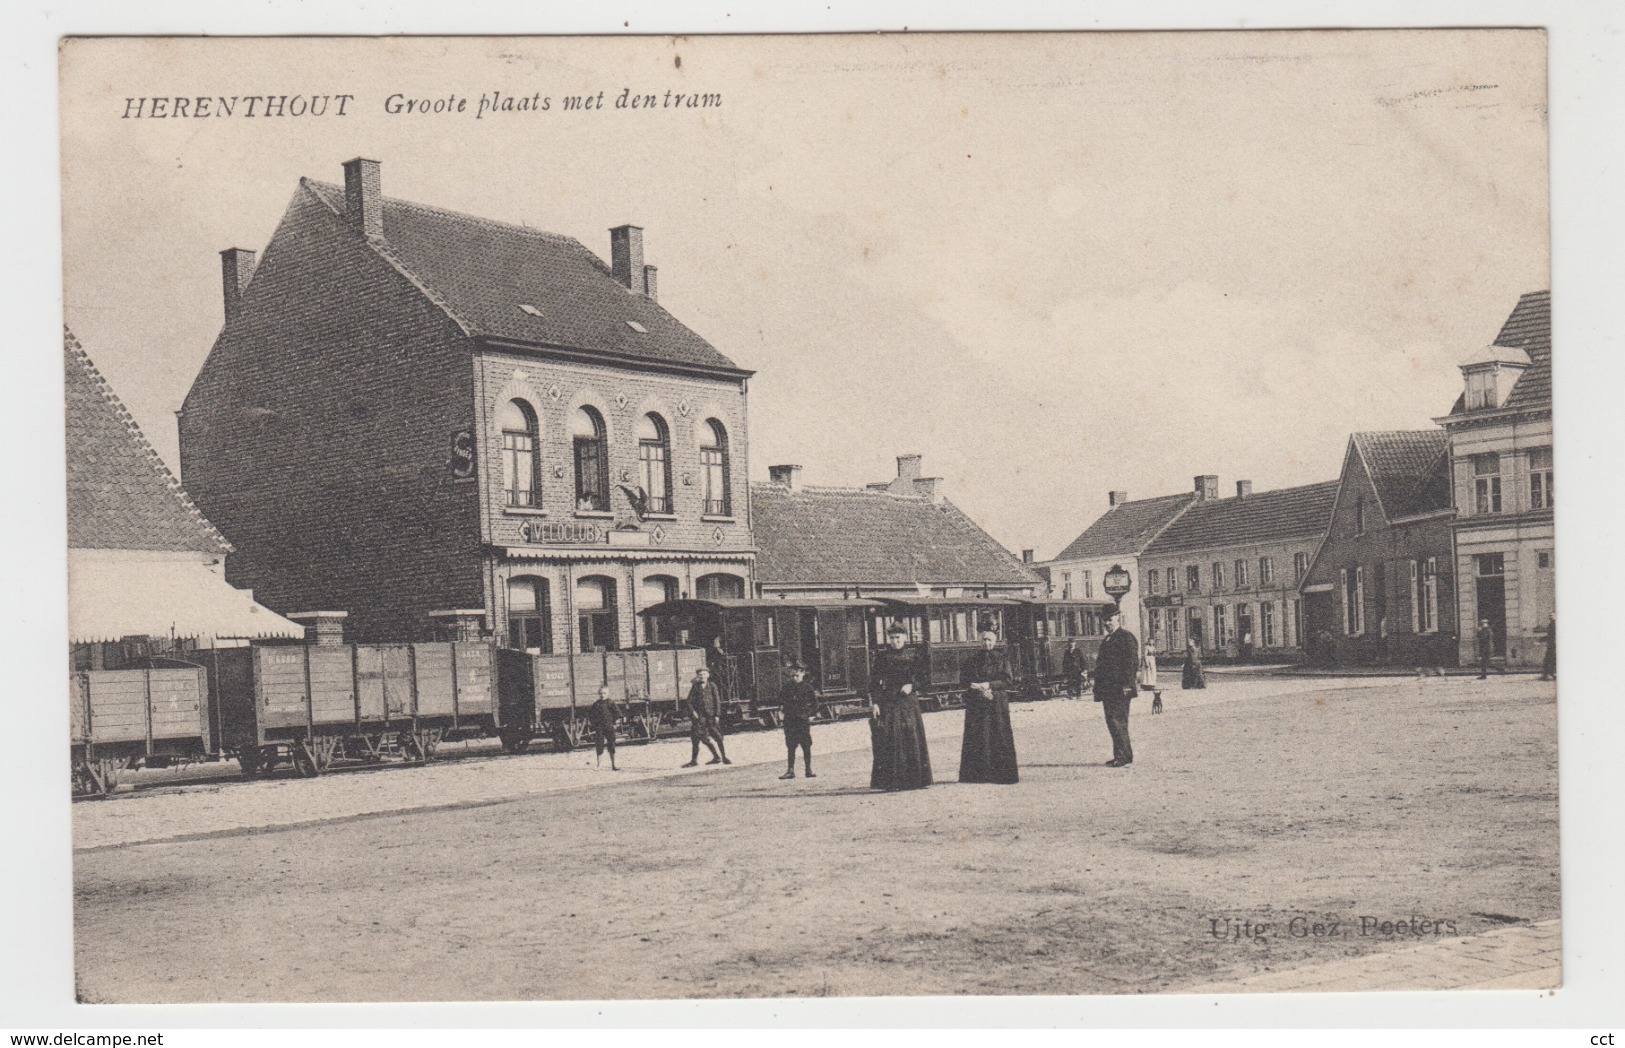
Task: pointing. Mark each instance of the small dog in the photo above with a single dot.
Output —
(1156, 702)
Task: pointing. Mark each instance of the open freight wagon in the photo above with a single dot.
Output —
(548, 695)
(127, 718)
(317, 705)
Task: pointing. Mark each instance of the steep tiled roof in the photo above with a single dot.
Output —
(1265, 516)
(1410, 469)
(1529, 328)
(845, 536)
(120, 493)
(1125, 529)
(481, 272)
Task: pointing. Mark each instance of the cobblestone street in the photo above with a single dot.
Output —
(1273, 834)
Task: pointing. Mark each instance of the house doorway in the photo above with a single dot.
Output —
(1491, 592)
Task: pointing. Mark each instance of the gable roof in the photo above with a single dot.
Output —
(121, 495)
(481, 272)
(1265, 516)
(1528, 328)
(1409, 469)
(1124, 530)
(848, 536)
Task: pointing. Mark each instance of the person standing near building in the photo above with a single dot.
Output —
(1074, 666)
(1117, 669)
(1548, 666)
(798, 703)
(1484, 640)
(901, 759)
(705, 720)
(603, 716)
(1192, 676)
(988, 752)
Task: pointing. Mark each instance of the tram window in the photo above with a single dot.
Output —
(766, 630)
(854, 627)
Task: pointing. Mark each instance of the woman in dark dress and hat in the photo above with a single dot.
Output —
(902, 761)
(988, 753)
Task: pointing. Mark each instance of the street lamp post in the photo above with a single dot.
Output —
(1117, 583)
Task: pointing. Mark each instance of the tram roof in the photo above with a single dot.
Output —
(730, 603)
(1056, 602)
(940, 602)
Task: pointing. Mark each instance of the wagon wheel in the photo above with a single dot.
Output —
(251, 760)
(516, 742)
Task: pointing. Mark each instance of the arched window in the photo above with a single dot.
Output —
(654, 458)
(521, 475)
(719, 586)
(714, 461)
(657, 589)
(530, 618)
(597, 629)
(592, 460)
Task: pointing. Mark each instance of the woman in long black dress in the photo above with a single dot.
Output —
(988, 753)
(902, 761)
(1193, 676)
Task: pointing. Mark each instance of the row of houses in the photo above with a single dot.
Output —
(1423, 535)
(443, 426)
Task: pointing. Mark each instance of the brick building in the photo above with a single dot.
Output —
(146, 570)
(1227, 570)
(442, 424)
(899, 537)
(1500, 433)
(1381, 588)
(1115, 539)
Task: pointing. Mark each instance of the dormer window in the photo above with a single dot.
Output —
(1481, 392)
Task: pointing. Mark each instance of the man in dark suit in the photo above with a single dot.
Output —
(1117, 673)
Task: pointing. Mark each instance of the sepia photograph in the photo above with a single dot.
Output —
(825, 516)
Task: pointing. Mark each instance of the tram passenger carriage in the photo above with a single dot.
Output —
(1042, 630)
(761, 636)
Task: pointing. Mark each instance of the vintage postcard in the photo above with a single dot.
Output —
(558, 519)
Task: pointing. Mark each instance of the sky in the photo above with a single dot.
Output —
(1053, 265)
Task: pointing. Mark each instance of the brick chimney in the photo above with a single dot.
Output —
(649, 273)
(908, 467)
(363, 196)
(1116, 498)
(1243, 488)
(1027, 557)
(1207, 487)
(928, 488)
(787, 477)
(322, 628)
(626, 258)
(236, 269)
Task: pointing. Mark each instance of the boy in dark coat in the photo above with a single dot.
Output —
(799, 702)
(705, 720)
(603, 715)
